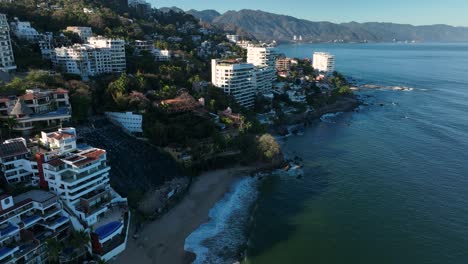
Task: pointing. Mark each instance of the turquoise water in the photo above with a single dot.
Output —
(388, 184)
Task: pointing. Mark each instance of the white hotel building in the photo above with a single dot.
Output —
(100, 55)
(7, 60)
(324, 62)
(264, 59)
(236, 79)
(17, 164)
(129, 121)
(79, 175)
(245, 80)
(24, 30)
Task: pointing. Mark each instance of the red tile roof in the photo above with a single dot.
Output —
(95, 153)
(61, 135)
(60, 91)
(90, 157)
(56, 162)
(28, 96)
(83, 162)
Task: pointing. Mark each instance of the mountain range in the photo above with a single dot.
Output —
(268, 26)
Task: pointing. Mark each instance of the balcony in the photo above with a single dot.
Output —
(71, 176)
(8, 229)
(88, 186)
(16, 212)
(94, 209)
(49, 203)
(56, 168)
(55, 222)
(30, 220)
(50, 212)
(95, 196)
(6, 252)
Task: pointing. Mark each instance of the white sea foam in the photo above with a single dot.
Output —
(218, 240)
(402, 88)
(393, 88)
(329, 118)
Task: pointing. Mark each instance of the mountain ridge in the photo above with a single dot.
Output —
(267, 26)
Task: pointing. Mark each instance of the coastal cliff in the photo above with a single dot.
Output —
(342, 104)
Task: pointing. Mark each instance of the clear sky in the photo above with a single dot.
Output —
(416, 12)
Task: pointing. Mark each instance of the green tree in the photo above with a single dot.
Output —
(54, 249)
(10, 123)
(166, 92)
(268, 147)
(80, 99)
(118, 87)
(80, 240)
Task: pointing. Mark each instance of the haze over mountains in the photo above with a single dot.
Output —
(268, 26)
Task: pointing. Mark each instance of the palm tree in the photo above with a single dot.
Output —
(54, 248)
(10, 123)
(79, 239)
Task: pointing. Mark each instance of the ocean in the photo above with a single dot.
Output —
(386, 184)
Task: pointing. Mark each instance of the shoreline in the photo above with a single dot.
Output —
(344, 104)
(163, 240)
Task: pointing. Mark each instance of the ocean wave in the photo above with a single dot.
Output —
(401, 88)
(393, 88)
(219, 240)
(329, 118)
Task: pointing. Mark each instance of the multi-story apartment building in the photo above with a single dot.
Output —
(264, 78)
(233, 38)
(23, 30)
(264, 59)
(26, 221)
(245, 44)
(283, 64)
(129, 121)
(75, 174)
(144, 45)
(236, 79)
(16, 162)
(162, 55)
(49, 107)
(45, 42)
(324, 62)
(79, 175)
(7, 60)
(116, 48)
(100, 55)
(83, 32)
(261, 56)
(84, 60)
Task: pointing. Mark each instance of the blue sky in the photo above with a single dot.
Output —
(417, 12)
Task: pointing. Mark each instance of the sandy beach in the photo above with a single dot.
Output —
(162, 241)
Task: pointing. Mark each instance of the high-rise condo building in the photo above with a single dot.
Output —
(7, 60)
(236, 79)
(324, 62)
